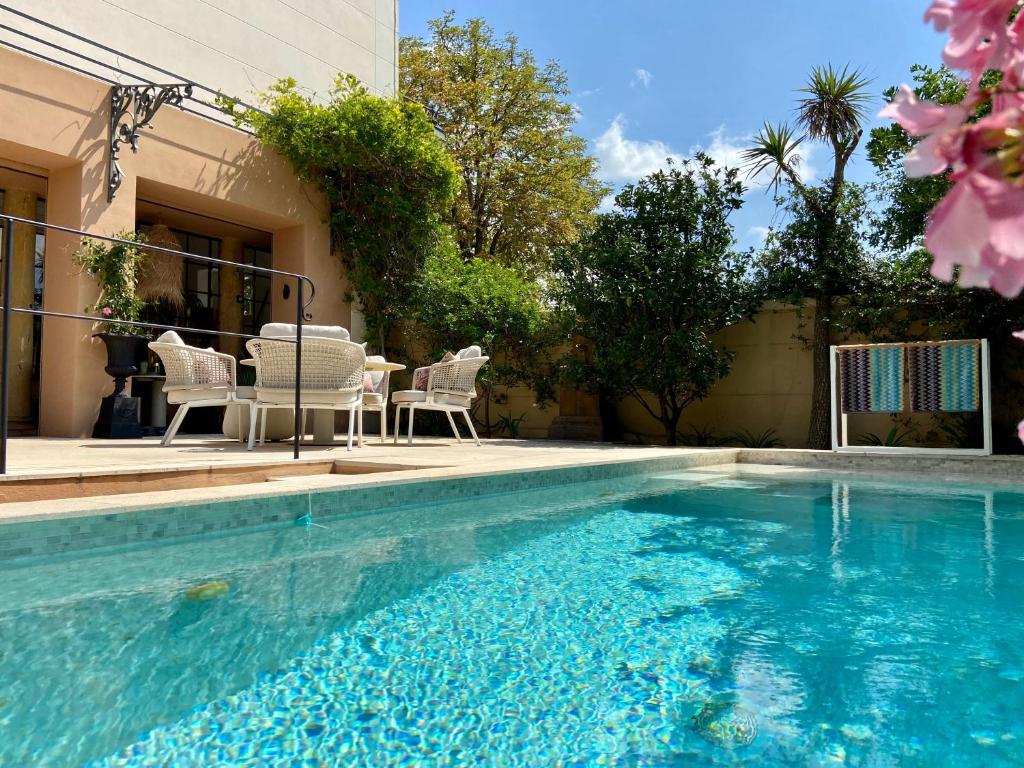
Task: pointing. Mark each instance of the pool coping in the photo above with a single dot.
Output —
(27, 531)
(28, 511)
(39, 528)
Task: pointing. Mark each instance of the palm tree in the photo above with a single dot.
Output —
(832, 110)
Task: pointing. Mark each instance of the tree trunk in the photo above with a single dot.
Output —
(670, 434)
(611, 429)
(819, 436)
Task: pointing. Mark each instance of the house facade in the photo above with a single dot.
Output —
(209, 186)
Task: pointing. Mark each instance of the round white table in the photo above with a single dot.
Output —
(323, 418)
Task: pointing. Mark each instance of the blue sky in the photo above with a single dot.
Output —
(659, 77)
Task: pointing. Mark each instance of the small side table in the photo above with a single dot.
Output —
(157, 398)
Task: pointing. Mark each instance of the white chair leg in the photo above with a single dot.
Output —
(454, 428)
(304, 421)
(412, 415)
(472, 430)
(398, 422)
(172, 430)
(254, 414)
(360, 427)
(351, 426)
(263, 426)
(383, 423)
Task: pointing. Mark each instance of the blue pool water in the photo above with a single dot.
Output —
(691, 618)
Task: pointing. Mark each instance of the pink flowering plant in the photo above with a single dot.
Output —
(976, 232)
(116, 268)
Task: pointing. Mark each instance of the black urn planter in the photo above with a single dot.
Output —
(119, 413)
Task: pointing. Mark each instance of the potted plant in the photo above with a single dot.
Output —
(116, 268)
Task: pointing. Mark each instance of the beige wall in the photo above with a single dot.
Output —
(236, 46)
(56, 122)
(769, 387)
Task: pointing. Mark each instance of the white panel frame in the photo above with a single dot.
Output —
(840, 421)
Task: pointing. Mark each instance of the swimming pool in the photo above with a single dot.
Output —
(693, 617)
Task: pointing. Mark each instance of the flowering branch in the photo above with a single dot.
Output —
(978, 228)
(976, 232)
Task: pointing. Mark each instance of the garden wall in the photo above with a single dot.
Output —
(769, 388)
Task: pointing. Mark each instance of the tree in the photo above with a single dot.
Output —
(832, 111)
(908, 201)
(387, 178)
(790, 268)
(527, 182)
(492, 305)
(899, 298)
(651, 285)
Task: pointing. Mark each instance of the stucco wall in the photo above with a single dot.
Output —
(769, 388)
(236, 46)
(56, 124)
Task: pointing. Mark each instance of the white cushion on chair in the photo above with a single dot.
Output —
(287, 330)
(179, 395)
(311, 398)
(468, 352)
(170, 337)
(418, 396)
(373, 398)
(409, 396)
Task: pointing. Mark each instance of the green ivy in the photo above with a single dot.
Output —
(386, 176)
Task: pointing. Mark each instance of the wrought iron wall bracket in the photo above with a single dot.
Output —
(132, 107)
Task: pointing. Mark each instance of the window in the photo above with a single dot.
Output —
(201, 287)
(256, 291)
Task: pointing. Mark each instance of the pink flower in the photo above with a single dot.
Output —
(978, 226)
(979, 33)
(107, 311)
(1018, 335)
(941, 125)
(1020, 431)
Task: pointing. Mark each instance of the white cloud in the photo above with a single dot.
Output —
(589, 92)
(641, 77)
(607, 204)
(728, 151)
(758, 234)
(624, 159)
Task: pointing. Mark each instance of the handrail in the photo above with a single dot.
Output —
(301, 305)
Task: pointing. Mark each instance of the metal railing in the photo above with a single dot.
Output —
(301, 304)
(92, 63)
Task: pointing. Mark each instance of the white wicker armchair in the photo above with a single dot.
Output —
(451, 387)
(196, 378)
(332, 377)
